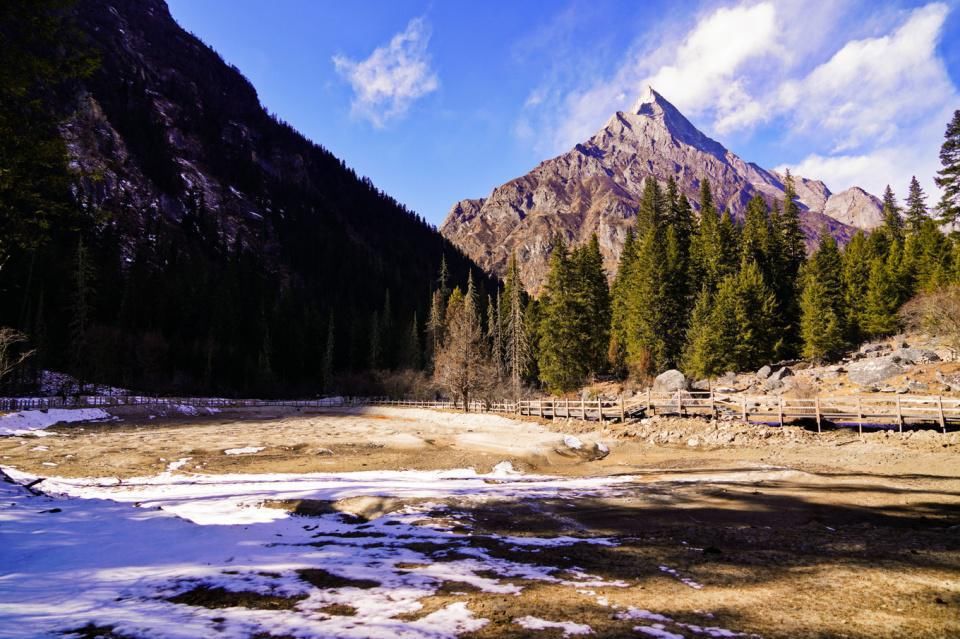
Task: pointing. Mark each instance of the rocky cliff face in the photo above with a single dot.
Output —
(595, 188)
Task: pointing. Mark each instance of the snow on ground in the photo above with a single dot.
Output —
(246, 450)
(113, 553)
(33, 422)
(567, 627)
(685, 580)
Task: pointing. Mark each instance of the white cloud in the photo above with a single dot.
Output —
(874, 88)
(393, 77)
(859, 90)
(704, 73)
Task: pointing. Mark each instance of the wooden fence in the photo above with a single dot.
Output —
(849, 410)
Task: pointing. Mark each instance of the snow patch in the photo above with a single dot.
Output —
(567, 627)
(247, 450)
(30, 422)
(657, 630)
(504, 469)
(572, 442)
(685, 580)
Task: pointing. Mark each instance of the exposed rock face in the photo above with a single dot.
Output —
(855, 207)
(596, 187)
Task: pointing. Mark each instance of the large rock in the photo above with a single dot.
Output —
(670, 382)
(914, 355)
(781, 374)
(764, 372)
(868, 372)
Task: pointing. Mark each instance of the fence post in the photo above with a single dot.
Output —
(817, 409)
(566, 407)
(600, 409)
(649, 405)
(743, 406)
(899, 415)
(583, 409)
(623, 412)
(780, 410)
(679, 402)
(943, 422)
(860, 414)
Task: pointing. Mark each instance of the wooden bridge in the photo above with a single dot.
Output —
(847, 410)
(858, 410)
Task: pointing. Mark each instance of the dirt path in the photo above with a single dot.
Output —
(775, 532)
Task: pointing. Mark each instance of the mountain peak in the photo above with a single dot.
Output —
(649, 100)
(655, 107)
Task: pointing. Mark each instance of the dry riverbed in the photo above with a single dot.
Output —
(686, 529)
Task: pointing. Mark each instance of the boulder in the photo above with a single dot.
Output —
(573, 447)
(781, 374)
(701, 385)
(867, 349)
(728, 379)
(670, 382)
(869, 372)
(915, 355)
(764, 372)
(952, 382)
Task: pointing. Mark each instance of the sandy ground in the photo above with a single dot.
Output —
(774, 532)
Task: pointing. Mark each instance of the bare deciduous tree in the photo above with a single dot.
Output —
(12, 352)
(936, 313)
(463, 363)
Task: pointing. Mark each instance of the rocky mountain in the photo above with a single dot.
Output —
(226, 251)
(596, 187)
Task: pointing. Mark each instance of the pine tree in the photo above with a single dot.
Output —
(326, 369)
(822, 305)
(652, 209)
(593, 292)
(436, 323)
(375, 354)
(647, 309)
(881, 302)
(562, 361)
(515, 338)
(788, 243)
(948, 177)
(892, 222)
(916, 206)
(820, 327)
(619, 309)
(699, 353)
(856, 259)
(792, 239)
(410, 355)
(494, 335)
(755, 315)
(713, 248)
(755, 240)
(81, 310)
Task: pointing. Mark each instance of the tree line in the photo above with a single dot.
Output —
(702, 292)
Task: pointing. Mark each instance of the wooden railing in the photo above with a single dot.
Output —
(850, 410)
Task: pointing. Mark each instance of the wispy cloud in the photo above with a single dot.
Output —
(393, 77)
(865, 109)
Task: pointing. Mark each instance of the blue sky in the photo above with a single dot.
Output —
(437, 101)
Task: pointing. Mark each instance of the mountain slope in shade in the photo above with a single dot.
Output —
(230, 253)
(596, 187)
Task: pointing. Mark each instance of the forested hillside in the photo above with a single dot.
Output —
(160, 230)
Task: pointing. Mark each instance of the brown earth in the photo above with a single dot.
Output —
(790, 533)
